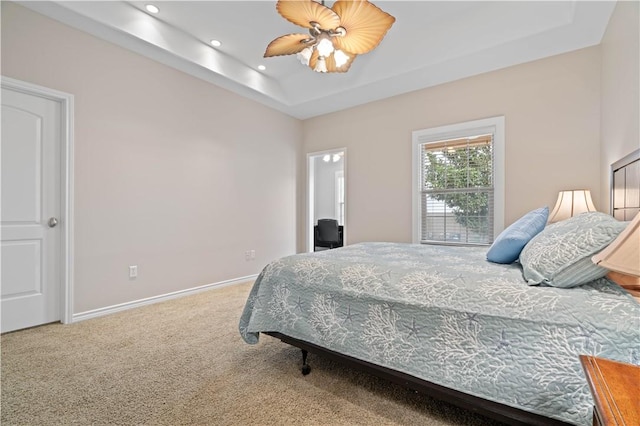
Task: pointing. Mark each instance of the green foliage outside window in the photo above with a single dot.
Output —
(465, 167)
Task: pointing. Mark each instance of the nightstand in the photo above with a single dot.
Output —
(615, 387)
(629, 283)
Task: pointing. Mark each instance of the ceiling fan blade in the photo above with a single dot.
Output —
(365, 23)
(303, 12)
(289, 44)
(313, 60)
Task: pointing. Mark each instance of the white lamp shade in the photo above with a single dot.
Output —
(571, 203)
(623, 254)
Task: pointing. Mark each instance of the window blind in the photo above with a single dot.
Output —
(457, 190)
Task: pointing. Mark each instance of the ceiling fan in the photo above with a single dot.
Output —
(336, 35)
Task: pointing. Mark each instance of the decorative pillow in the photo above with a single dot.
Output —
(507, 247)
(560, 255)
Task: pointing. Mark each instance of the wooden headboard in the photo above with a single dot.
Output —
(625, 187)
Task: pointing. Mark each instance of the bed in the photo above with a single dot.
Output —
(445, 321)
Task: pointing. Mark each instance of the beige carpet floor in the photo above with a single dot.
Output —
(182, 362)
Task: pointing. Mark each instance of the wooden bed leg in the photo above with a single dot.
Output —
(305, 367)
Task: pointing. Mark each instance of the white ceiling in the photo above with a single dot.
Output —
(431, 42)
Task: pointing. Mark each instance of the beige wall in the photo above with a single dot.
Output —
(172, 173)
(620, 126)
(552, 115)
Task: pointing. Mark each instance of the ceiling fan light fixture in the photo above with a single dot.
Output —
(321, 65)
(304, 55)
(340, 57)
(336, 35)
(325, 47)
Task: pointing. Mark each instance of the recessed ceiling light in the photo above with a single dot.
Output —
(262, 67)
(215, 43)
(151, 8)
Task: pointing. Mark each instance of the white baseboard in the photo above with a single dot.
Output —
(95, 313)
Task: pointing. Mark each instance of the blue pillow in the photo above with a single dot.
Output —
(507, 247)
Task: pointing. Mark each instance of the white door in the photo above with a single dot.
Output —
(31, 142)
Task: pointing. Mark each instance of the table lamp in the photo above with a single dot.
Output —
(622, 258)
(571, 203)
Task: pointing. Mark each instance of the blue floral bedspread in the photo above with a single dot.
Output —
(446, 315)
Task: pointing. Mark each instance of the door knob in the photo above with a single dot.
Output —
(53, 222)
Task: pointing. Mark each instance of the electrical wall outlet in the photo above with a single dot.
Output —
(253, 255)
(247, 255)
(133, 271)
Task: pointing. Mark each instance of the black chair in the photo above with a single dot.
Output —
(327, 234)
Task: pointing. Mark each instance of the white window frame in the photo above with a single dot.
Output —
(494, 125)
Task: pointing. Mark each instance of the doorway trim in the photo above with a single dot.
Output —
(311, 194)
(66, 102)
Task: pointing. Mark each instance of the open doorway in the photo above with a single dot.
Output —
(326, 189)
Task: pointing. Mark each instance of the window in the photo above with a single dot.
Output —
(459, 183)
